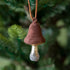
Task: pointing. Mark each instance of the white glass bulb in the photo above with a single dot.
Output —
(34, 55)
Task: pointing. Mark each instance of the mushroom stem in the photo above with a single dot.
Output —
(34, 55)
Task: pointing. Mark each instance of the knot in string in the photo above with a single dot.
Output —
(35, 10)
(34, 20)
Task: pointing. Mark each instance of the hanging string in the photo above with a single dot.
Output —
(35, 9)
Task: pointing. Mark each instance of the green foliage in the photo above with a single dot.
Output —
(62, 37)
(50, 67)
(4, 41)
(16, 31)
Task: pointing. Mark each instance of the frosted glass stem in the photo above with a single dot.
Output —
(34, 55)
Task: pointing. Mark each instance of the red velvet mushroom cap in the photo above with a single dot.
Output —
(34, 35)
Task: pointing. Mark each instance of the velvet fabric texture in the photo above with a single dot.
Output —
(34, 35)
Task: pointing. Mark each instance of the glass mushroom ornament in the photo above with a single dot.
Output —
(34, 38)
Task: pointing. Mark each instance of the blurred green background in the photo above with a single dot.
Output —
(54, 18)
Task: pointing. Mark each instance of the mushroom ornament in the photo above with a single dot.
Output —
(34, 36)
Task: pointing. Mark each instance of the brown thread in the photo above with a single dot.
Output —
(35, 9)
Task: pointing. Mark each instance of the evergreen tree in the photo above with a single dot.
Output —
(54, 18)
